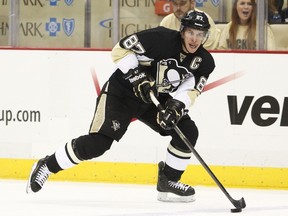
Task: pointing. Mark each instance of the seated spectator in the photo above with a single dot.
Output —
(241, 33)
(274, 11)
(284, 13)
(279, 4)
(180, 9)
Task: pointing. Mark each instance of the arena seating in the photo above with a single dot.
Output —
(281, 36)
(280, 33)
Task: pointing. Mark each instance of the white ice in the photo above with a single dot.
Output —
(93, 199)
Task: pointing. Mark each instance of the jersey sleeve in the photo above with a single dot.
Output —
(192, 88)
(124, 59)
(154, 44)
(145, 48)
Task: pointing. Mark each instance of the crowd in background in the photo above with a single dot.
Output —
(241, 31)
(62, 25)
(277, 11)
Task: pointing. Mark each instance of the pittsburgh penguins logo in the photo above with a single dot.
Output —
(170, 75)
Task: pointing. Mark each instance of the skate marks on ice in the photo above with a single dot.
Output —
(93, 199)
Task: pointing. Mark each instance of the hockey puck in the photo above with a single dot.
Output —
(236, 210)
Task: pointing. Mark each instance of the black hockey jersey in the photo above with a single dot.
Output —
(160, 51)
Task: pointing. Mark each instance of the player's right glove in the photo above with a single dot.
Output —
(142, 83)
(169, 117)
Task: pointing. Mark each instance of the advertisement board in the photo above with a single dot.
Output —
(76, 24)
(4, 20)
(133, 16)
(52, 24)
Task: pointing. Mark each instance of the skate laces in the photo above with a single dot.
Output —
(178, 185)
(42, 175)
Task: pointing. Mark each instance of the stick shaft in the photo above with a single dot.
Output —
(237, 203)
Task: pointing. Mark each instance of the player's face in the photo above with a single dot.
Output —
(181, 7)
(244, 10)
(192, 38)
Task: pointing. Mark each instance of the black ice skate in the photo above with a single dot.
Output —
(172, 191)
(38, 176)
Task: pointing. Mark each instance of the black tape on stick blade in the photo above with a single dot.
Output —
(236, 210)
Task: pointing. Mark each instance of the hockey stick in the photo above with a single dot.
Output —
(239, 204)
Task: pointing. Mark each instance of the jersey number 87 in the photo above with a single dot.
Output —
(132, 43)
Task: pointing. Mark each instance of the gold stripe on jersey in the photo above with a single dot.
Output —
(99, 116)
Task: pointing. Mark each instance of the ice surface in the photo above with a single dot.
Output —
(93, 199)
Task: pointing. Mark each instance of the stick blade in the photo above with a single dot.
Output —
(239, 204)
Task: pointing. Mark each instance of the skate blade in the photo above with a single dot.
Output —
(28, 186)
(170, 197)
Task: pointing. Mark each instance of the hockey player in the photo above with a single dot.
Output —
(157, 60)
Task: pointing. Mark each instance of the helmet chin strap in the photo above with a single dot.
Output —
(184, 47)
(206, 38)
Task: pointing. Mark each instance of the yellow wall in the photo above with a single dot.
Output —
(144, 173)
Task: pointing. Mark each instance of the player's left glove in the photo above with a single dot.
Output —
(173, 112)
(142, 83)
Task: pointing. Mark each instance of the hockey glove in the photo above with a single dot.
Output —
(142, 83)
(170, 116)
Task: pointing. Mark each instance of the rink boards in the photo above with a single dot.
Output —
(48, 97)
